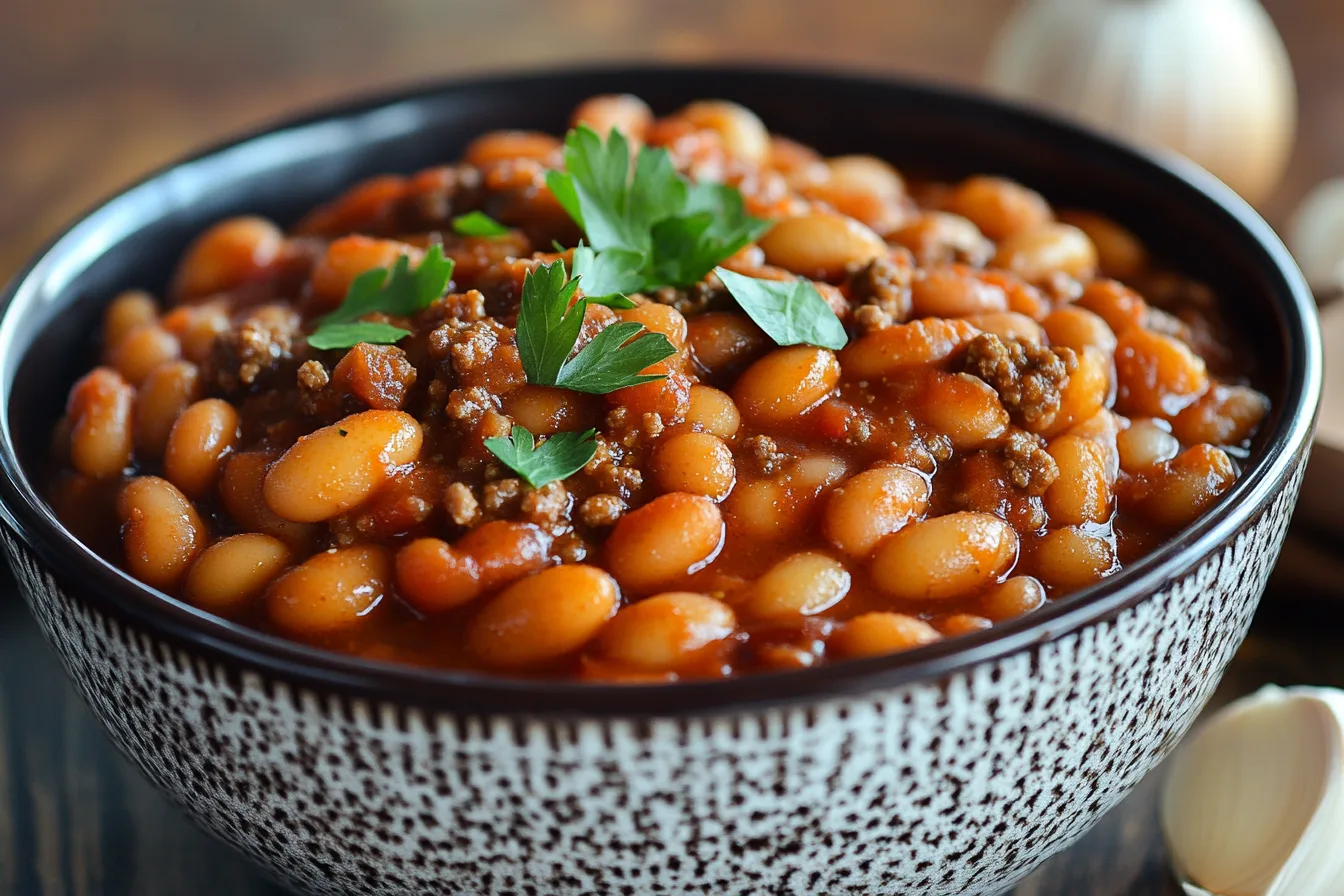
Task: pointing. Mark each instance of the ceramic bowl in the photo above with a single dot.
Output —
(952, 769)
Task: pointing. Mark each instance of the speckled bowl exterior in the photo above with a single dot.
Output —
(953, 769)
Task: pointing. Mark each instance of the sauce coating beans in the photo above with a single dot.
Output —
(1023, 403)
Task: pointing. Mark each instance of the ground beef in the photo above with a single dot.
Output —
(600, 511)
(696, 299)
(1027, 464)
(435, 196)
(469, 405)
(547, 506)
(883, 284)
(765, 455)
(461, 504)
(248, 353)
(500, 499)
(870, 318)
(1028, 377)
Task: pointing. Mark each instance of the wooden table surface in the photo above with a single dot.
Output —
(93, 94)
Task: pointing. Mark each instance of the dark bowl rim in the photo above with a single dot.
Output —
(242, 649)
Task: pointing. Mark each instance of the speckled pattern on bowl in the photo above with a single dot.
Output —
(953, 769)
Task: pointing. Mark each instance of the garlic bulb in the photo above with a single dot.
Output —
(1254, 801)
(1316, 238)
(1207, 78)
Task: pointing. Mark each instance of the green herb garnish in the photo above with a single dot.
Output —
(401, 293)
(478, 223)
(791, 312)
(650, 228)
(560, 456)
(549, 319)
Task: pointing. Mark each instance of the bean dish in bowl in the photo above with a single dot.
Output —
(776, 410)
(684, 510)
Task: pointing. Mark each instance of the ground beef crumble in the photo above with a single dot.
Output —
(1028, 465)
(1028, 377)
(884, 285)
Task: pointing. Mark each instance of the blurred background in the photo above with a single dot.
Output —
(95, 93)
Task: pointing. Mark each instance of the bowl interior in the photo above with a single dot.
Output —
(1187, 218)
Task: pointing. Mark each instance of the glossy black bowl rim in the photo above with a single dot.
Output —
(238, 649)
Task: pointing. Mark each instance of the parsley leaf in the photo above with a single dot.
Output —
(478, 223)
(548, 325)
(614, 359)
(560, 456)
(549, 320)
(790, 312)
(609, 276)
(400, 293)
(647, 229)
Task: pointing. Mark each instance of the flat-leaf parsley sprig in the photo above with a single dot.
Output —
(649, 228)
(549, 320)
(560, 456)
(401, 293)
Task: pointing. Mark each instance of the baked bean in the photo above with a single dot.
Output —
(227, 255)
(197, 443)
(938, 237)
(666, 630)
(350, 256)
(723, 343)
(801, 165)
(713, 411)
(161, 532)
(669, 398)
(339, 466)
(546, 410)
(1023, 298)
(1224, 415)
(695, 462)
(615, 111)
(962, 624)
(1156, 375)
(1001, 208)
(163, 396)
(821, 244)
(903, 346)
(1009, 325)
(99, 411)
(951, 291)
(543, 617)
(129, 310)
(1184, 487)
(1083, 395)
(1014, 597)
(865, 174)
(880, 633)
(432, 576)
(1102, 429)
(1036, 254)
(1071, 558)
(1118, 305)
(233, 571)
(944, 557)
(505, 551)
(368, 205)
(1077, 328)
(872, 505)
(800, 585)
(664, 541)
(1119, 252)
(764, 509)
(1080, 494)
(786, 383)
(207, 321)
(241, 488)
(962, 407)
(658, 318)
(743, 134)
(1145, 444)
(331, 591)
(142, 350)
(507, 146)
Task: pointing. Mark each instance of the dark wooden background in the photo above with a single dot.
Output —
(95, 93)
